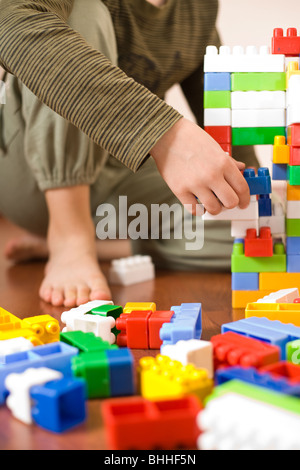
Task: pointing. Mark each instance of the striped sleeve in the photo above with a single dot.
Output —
(78, 82)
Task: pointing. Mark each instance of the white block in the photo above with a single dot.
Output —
(275, 222)
(258, 118)
(196, 352)
(293, 115)
(19, 385)
(99, 325)
(293, 210)
(236, 422)
(281, 296)
(250, 213)
(239, 227)
(239, 60)
(258, 100)
(293, 91)
(84, 308)
(131, 270)
(14, 345)
(217, 117)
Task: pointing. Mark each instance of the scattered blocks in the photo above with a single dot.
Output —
(162, 377)
(131, 270)
(137, 423)
(185, 324)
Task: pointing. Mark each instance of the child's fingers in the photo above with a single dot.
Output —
(238, 183)
(226, 194)
(210, 201)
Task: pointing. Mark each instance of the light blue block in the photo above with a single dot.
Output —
(279, 172)
(245, 281)
(217, 81)
(263, 329)
(185, 324)
(293, 263)
(293, 246)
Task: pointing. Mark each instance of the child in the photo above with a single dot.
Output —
(84, 112)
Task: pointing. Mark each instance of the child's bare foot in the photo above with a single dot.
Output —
(73, 276)
(26, 248)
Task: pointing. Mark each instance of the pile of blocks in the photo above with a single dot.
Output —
(262, 108)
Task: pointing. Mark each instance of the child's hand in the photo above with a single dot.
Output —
(193, 164)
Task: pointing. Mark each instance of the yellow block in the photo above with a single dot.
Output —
(277, 281)
(44, 327)
(21, 332)
(293, 69)
(281, 151)
(240, 298)
(293, 193)
(162, 377)
(139, 306)
(285, 313)
(8, 320)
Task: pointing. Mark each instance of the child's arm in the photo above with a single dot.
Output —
(193, 164)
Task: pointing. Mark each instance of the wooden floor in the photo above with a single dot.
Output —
(19, 285)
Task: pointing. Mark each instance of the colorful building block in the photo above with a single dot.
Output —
(261, 246)
(258, 184)
(294, 175)
(277, 281)
(293, 209)
(295, 156)
(221, 134)
(249, 213)
(89, 323)
(86, 342)
(259, 378)
(162, 377)
(185, 324)
(14, 345)
(240, 60)
(59, 405)
(284, 370)
(293, 135)
(217, 81)
(139, 306)
(255, 135)
(281, 296)
(281, 151)
(272, 332)
(217, 99)
(241, 298)
(264, 205)
(254, 81)
(288, 45)
(233, 349)
(293, 352)
(279, 172)
(293, 227)
(217, 117)
(250, 100)
(245, 281)
(293, 263)
(284, 312)
(137, 423)
(258, 117)
(293, 245)
(194, 351)
(241, 263)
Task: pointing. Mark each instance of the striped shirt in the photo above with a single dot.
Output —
(119, 108)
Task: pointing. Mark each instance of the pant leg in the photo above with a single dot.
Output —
(41, 150)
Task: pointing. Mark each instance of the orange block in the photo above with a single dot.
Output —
(277, 281)
(293, 193)
(241, 298)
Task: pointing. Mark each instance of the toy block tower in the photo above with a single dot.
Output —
(265, 104)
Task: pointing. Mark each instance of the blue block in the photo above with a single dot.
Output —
(185, 324)
(264, 205)
(59, 405)
(121, 372)
(293, 246)
(268, 331)
(214, 81)
(260, 379)
(260, 183)
(293, 263)
(245, 281)
(55, 356)
(279, 172)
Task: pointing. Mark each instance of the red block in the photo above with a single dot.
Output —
(221, 134)
(140, 329)
(288, 45)
(155, 323)
(261, 246)
(284, 369)
(140, 424)
(232, 349)
(294, 156)
(293, 135)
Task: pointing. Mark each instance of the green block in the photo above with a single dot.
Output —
(279, 400)
(244, 264)
(255, 135)
(86, 342)
(292, 227)
(257, 81)
(294, 175)
(217, 99)
(293, 352)
(108, 311)
(93, 367)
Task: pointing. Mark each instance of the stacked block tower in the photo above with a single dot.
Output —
(252, 97)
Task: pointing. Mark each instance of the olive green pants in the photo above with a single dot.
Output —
(41, 151)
